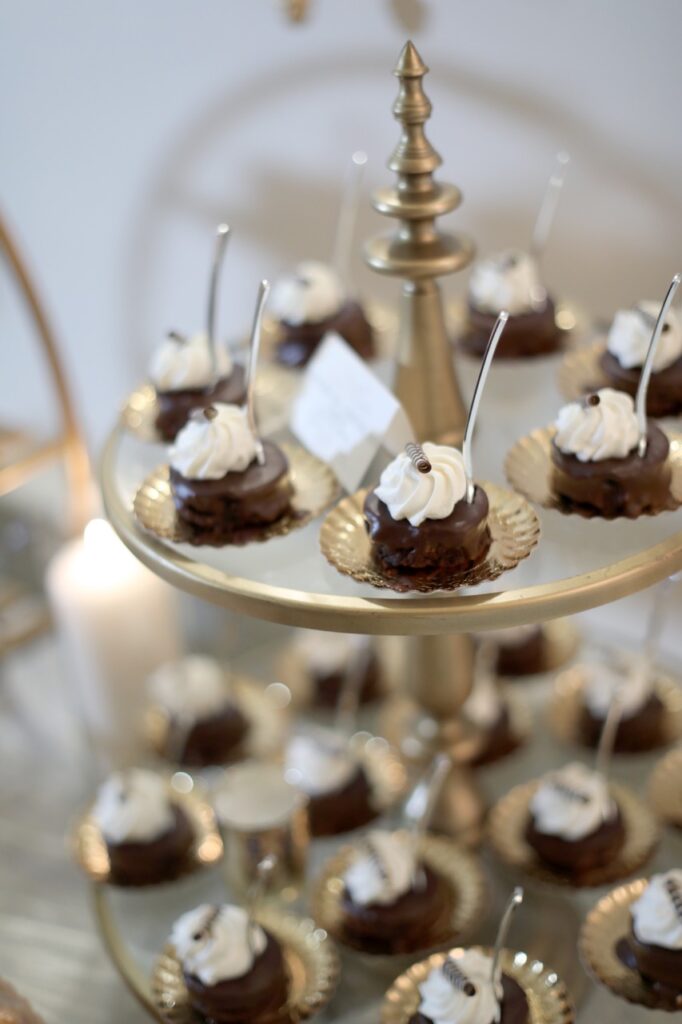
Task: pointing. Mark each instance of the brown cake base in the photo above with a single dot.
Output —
(628, 487)
(664, 397)
(500, 740)
(657, 965)
(344, 809)
(437, 547)
(580, 855)
(160, 860)
(635, 734)
(174, 407)
(215, 740)
(327, 687)
(525, 336)
(514, 1005)
(256, 995)
(401, 927)
(299, 341)
(229, 509)
(668, 997)
(523, 659)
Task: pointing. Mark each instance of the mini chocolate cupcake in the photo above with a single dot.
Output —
(220, 488)
(574, 823)
(656, 935)
(205, 724)
(147, 835)
(391, 900)
(521, 650)
(642, 713)
(626, 349)
(461, 989)
(310, 303)
(596, 463)
(185, 379)
(486, 709)
(233, 968)
(340, 797)
(327, 661)
(511, 281)
(419, 520)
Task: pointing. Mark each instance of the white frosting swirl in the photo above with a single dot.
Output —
(382, 869)
(445, 1003)
(633, 687)
(180, 365)
(215, 947)
(572, 802)
(313, 292)
(318, 762)
(630, 335)
(508, 280)
(484, 705)
(607, 430)
(133, 806)
(190, 689)
(655, 918)
(208, 449)
(328, 653)
(416, 496)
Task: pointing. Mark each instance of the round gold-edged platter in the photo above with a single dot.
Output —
(507, 836)
(309, 955)
(548, 999)
(328, 605)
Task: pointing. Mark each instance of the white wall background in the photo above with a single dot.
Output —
(128, 129)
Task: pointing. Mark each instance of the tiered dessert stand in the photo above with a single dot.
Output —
(579, 564)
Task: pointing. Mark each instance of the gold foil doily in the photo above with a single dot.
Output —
(514, 529)
(267, 723)
(507, 827)
(90, 848)
(529, 468)
(315, 488)
(580, 371)
(460, 870)
(607, 924)
(310, 957)
(548, 999)
(567, 703)
(665, 788)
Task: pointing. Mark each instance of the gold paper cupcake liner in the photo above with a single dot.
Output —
(529, 468)
(90, 848)
(310, 957)
(460, 870)
(566, 706)
(507, 827)
(514, 529)
(548, 999)
(665, 788)
(605, 926)
(315, 488)
(580, 371)
(275, 391)
(267, 723)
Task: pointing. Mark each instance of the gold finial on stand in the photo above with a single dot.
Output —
(426, 382)
(438, 669)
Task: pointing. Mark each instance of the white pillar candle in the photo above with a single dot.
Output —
(117, 622)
